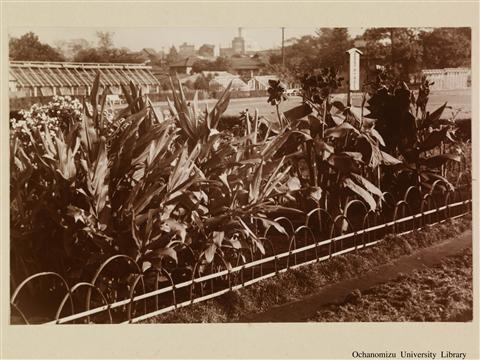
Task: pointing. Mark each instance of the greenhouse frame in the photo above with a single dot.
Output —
(38, 78)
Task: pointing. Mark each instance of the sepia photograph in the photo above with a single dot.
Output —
(205, 180)
(240, 175)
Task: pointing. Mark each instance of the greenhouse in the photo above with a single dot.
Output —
(38, 78)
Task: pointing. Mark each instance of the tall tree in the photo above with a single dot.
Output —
(302, 56)
(446, 47)
(69, 48)
(29, 48)
(398, 47)
(333, 43)
(105, 52)
(172, 56)
(105, 39)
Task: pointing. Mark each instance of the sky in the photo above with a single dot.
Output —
(157, 38)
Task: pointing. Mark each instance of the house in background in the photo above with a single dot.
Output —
(184, 66)
(220, 82)
(247, 67)
(150, 56)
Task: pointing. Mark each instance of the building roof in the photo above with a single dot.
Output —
(237, 83)
(150, 51)
(186, 62)
(71, 74)
(246, 63)
(217, 73)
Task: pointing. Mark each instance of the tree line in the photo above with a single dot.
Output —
(406, 50)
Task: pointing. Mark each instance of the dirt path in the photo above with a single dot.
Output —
(308, 308)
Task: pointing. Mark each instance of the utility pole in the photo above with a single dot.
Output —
(283, 47)
(392, 58)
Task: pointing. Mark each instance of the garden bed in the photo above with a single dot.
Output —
(299, 283)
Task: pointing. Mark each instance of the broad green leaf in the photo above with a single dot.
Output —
(94, 92)
(236, 244)
(343, 163)
(297, 112)
(322, 148)
(218, 237)
(259, 245)
(293, 183)
(175, 227)
(97, 178)
(210, 253)
(364, 194)
(339, 131)
(316, 193)
(165, 252)
(432, 118)
(368, 185)
(389, 159)
(267, 223)
(377, 136)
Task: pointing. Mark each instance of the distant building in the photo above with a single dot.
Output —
(150, 55)
(186, 50)
(226, 52)
(238, 43)
(238, 46)
(247, 66)
(207, 50)
(184, 66)
(221, 82)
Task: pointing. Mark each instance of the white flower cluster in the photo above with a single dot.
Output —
(55, 115)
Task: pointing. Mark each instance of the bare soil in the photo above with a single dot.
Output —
(441, 293)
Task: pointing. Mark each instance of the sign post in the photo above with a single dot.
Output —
(354, 74)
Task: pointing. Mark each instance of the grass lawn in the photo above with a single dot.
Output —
(458, 99)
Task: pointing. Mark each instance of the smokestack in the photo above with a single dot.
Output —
(239, 32)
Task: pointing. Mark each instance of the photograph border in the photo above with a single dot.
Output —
(299, 340)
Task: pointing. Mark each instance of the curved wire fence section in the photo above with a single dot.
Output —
(317, 238)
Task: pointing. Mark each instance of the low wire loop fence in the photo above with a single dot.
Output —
(317, 237)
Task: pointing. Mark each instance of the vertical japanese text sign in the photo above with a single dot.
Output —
(354, 68)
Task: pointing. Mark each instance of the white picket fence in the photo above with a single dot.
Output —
(449, 78)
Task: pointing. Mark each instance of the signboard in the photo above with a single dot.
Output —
(354, 69)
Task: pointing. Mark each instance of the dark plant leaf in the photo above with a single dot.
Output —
(439, 160)
(434, 139)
